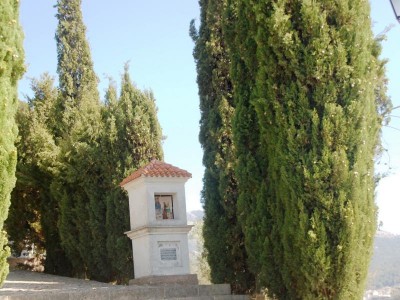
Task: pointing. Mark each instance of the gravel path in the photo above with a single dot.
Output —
(25, 282)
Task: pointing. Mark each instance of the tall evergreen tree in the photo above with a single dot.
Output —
(131, 138)
(251, 163)
(45, 134)
(306, 130)
(74, 153)
(77, 79)
(97, 149)
(137, 124)
(36, 169)
(23, 222)
(11, 70)
(223, 236)
(82, 235)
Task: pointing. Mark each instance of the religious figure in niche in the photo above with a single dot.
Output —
(165, 213)
(164, 207)
(158, 207)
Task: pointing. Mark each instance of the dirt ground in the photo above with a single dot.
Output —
(26, 282)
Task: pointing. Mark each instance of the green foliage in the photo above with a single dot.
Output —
(223, 237)
(82, 236)
(82, 209)
(137, 125)
(34, 211)
(306, 130)
(23, 223)
(74, 154)
(11, 70)
(130, 139)
(44, 142)
(251, 163)
(94, 210)
(77, 79)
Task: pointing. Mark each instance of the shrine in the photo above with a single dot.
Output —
(159, 230)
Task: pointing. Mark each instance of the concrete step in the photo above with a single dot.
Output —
(220, 297)
(177, 292)
(171, 292)
(23, 285)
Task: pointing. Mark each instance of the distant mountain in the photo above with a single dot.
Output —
(194, 216)
(384, 270)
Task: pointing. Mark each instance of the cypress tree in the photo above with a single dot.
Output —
(223, 236)
(251, 163)
(25, 201)
(131, 138)
(137, 124)
(119, 250)
(23, 222)
(81, 208)
(11, 70)
(45, 137)
(305, 76)
(97, 150)
(36, 169)
(77, 79)
(46, 131)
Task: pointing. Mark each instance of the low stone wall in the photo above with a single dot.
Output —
(23, 263)
(13, 262)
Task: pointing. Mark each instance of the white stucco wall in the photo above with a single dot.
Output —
(172, 186)
(141, 194)
(173, 267)
(141, 256)
(147, 253)
(160, 247)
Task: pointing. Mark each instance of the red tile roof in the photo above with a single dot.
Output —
(156, 168)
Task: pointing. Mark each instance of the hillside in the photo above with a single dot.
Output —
(385, 265)
(195, 216)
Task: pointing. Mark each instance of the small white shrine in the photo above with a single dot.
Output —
(159, 230)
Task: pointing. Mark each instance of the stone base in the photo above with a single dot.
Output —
(186, 279)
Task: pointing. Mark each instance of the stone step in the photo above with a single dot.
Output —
(24, 285)
(220, 297)
(170, 292)
(175, 292)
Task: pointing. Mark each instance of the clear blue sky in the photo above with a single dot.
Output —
(388, 191)
(153, 36)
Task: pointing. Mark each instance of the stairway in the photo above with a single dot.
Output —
(177, 292)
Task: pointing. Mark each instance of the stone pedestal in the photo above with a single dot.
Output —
(159, 230)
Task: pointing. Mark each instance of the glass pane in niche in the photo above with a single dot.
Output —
(164, 205)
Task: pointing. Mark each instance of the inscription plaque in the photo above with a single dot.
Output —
(168, 254)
